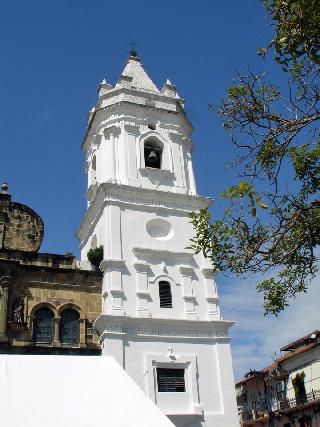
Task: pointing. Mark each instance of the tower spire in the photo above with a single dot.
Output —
(135, 75)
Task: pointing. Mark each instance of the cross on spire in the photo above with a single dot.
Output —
(133, 50)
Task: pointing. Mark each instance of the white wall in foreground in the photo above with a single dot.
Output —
(72, 391)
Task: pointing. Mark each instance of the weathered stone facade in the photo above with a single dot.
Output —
(30, 281)
(20, 227)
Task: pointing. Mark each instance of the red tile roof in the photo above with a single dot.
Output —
(294, 343)
(292, 353)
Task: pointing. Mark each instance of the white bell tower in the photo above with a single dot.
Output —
(161, 318)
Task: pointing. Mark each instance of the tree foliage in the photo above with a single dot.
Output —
(95, 256)
(273, 218)
(296, 25)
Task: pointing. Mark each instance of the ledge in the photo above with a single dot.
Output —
(197, 411)
(141, 266)
(189, 298)
(212, 299)
(143, 294)
(112, 264)
(186, 270)
(140, 252)
(157, 175)
(209, 271)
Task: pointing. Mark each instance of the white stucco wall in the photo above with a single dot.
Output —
(141, 217)
(64, 391)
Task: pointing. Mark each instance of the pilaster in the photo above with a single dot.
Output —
(213, 308)
(112, 286)
(143, 294)
(82, 332)
(188, 297)
(56, 331)
(110, 153)
(4, 292)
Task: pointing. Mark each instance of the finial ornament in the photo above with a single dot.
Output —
(133, 51)
(4, 188)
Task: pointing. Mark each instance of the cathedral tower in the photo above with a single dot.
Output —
(161, 318)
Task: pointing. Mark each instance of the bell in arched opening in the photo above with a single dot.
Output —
(152, 156)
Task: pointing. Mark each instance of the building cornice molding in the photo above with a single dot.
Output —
(122, 103)
(110, 193)
(107, 324)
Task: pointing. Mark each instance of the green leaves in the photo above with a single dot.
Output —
(297, 37)
(271, 221)
(246, 195)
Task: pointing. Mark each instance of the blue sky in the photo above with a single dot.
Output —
(54, 54)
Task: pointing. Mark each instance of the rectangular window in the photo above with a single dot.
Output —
(171, 380)
(280, 391)
(165, 295)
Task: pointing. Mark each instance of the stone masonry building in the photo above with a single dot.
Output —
(47, 302)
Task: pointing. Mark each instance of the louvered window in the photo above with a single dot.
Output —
(43, 326)
(171, 380)
(165, 295)
(69, 327)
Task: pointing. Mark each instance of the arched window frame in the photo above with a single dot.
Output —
(172, 283)
(37, 339)
(159, 141)
(74, 339)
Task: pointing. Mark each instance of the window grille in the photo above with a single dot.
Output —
(69, 327)
(171, 380)
(165, 295)
(43, 326)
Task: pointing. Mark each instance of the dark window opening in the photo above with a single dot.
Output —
(69, 327)
(152, 156)
(152, 126)
(280, 391)
(171, 380)
(165, 295)
(299, 388)
(43, 326)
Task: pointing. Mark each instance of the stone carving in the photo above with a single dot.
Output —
(4, 281)
(18, 311)
(57, 302)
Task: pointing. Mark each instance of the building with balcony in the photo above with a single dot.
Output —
(286, 393)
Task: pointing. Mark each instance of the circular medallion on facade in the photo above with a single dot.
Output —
(159, 229)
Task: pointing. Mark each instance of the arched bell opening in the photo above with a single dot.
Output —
(153, 154)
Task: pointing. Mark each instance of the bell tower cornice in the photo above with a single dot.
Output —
(123, 195)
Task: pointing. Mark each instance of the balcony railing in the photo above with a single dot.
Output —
(259, 411)
(292, 403)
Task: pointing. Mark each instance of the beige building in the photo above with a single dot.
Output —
(48, 303)
(286, 393)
